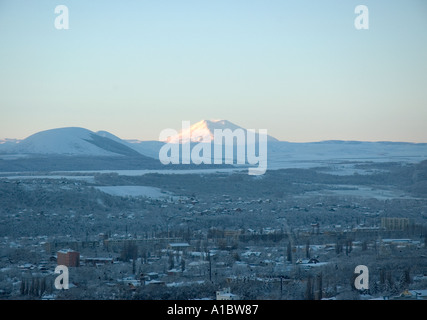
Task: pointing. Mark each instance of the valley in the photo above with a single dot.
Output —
(254, 234)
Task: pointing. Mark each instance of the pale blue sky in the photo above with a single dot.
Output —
(297, 68)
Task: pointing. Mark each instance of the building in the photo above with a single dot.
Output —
(400, 242)
(68, 257)
(395, 224)
(179, 246)
(315, 228)
(232, 234)
(51, 247)
(225, 294)
(98, 261)
(412, 295)
(131, 282)
(174, 272)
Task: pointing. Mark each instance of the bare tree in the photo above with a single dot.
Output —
(289, 252)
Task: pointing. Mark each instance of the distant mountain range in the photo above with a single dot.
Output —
(71, 148)
(75, 141)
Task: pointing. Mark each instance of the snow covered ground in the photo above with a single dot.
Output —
(166, 171)
(338, 154)
(337, 157)
(135, 191)
(359, 191)
(89, 179)
(67, 141)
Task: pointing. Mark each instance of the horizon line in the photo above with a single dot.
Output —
(5, 139)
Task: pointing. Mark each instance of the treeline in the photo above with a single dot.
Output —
(54, 195)
(36, 285)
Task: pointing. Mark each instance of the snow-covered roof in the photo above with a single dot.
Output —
(66, 250)
(179, 244)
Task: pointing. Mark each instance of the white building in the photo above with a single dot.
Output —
(225, 294)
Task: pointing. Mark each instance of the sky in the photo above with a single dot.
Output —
(299, 69)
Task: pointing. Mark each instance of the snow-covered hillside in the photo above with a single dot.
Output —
(281, 154)
(69, 141)
(326, 153)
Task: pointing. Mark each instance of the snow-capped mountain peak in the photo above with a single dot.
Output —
(204, 131)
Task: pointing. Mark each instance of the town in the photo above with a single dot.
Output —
(302, 241)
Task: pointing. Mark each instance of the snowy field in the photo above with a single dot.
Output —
(359, 191)
(142, 172)
(340, 156)
(337, 157)
(135, 191)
